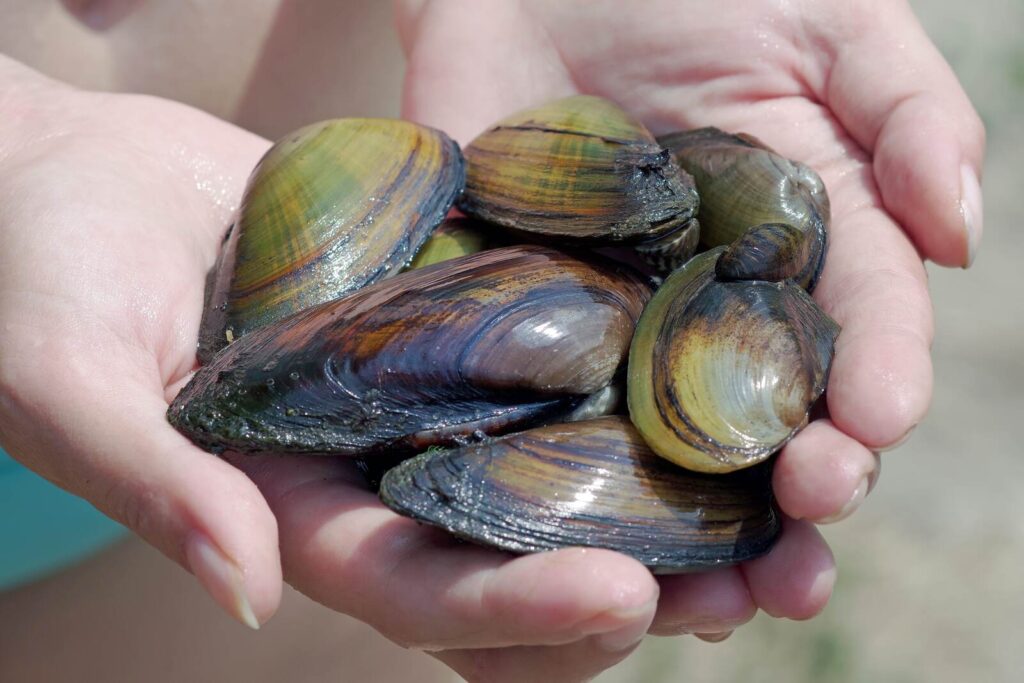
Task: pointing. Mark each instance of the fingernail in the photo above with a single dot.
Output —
(900, 441)
(713, 637)
(221, 578)
(875, 472)
(638, 620)
(859, 494)
(625, 638)
(971, 210)
(697, 628)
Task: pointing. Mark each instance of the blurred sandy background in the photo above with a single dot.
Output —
(930, 585)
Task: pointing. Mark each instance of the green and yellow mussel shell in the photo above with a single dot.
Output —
(482, 344)
(577, 170)
(330, 208)
(453, 238)
(722, 374)
(594, 483)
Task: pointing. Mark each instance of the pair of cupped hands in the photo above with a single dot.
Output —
(112, 209)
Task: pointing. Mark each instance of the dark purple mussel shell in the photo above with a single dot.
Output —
(481, 344)
(592, 483)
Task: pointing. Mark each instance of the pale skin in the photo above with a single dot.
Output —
(111, 211)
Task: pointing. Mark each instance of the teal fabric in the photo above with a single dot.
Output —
(42, 528)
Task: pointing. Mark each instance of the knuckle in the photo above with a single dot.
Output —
(883, 300)
(134, 504)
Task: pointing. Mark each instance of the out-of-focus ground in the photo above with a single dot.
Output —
(931, 586)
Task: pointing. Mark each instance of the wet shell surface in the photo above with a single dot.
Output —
(575, 170)
(593, 483)
(330, 208)
(481, 344)
(743, 184)
(722, 374)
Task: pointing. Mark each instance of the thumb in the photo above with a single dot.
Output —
(892, 90)
(471, 64)
(117, 451)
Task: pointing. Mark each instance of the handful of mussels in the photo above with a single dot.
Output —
(340, 319)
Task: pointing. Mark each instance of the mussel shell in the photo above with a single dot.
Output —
(667, 253)
(742, 184)
(722, 374)
(607, 401)
(593, 483)
(577, 170)
(494, 341)
(330, 208)
(770, 251)
(453, 238)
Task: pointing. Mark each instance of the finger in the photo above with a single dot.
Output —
(875, 287)
(795, 579)
(407, 18)
(927, 141)
(566, 663)
(458, 49)
(823, 475)
(117, 451)
(704, 603)
(422, 588)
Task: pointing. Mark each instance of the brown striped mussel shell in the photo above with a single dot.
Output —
(594, 483)
(577, 170)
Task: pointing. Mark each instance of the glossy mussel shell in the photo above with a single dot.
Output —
(330, 208)
(577, 169)
(722, 374)
(744, 185)
(593, 483)
(479, 344)
(453, 238)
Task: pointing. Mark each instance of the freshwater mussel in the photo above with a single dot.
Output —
(580, 170)
(453, 238)
(593, 483)
(771, 212)
(725, 363)
(480, 344)
(330, 208)
(723, 373)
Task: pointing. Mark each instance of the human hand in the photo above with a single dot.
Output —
(111, 210)
(856, 91)
(495, 617)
